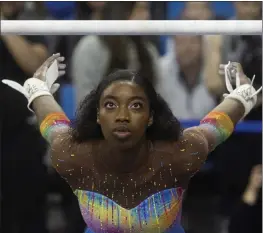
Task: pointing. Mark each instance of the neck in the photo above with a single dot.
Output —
(126, 160)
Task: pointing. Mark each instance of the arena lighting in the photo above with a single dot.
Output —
(131, 27)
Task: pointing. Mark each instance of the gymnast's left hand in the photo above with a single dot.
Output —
(235, 77)
(234, 68)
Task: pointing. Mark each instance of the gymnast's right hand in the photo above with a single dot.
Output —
(50, 70)
(43, 81)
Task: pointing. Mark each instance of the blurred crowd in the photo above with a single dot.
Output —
(224, 197)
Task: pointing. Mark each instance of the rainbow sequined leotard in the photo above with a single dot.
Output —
(160, 213)
(170, 162)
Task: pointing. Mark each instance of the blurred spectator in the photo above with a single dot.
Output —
(70, 11)
(22, 147)
(223, 9)
(30, 10)
(195, 11)
(248, 10)
(221, 49)
(64, 44)
(199, 11)
(245, 10)
(182, 84)
(247, 216)
(96, 56)
(140, 11)
(89, 10)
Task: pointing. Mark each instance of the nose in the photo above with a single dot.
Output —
(123, 115)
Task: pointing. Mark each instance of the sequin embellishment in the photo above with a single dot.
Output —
(161, 212)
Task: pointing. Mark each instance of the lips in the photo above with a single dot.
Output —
(122, 128)
(122, 132)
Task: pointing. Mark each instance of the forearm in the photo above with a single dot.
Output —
(219, 124)
(51, 118)
(45, 105)
(23, 53)
(232, 108)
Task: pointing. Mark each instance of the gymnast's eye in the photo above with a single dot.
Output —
(109, 105)
(136, 105)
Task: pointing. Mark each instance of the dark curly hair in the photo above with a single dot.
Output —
(165, 126)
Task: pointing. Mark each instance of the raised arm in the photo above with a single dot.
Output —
(54, 124)
(54, 127)
(219, 124)
(38, 90)
(51, 118)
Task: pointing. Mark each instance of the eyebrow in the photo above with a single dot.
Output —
(132, 98)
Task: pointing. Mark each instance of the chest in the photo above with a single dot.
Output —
(131, 189)
(157, 213)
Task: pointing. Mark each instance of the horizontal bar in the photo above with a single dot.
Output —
(130, 27)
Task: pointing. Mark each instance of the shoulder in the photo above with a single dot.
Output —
(194, 141)
(73, 161)
(63, 143)
(188, 153)
(66, 154)
(179, 158)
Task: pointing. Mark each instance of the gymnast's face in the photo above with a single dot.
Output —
(124, 113)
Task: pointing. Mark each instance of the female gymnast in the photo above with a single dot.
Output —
(126, 157)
